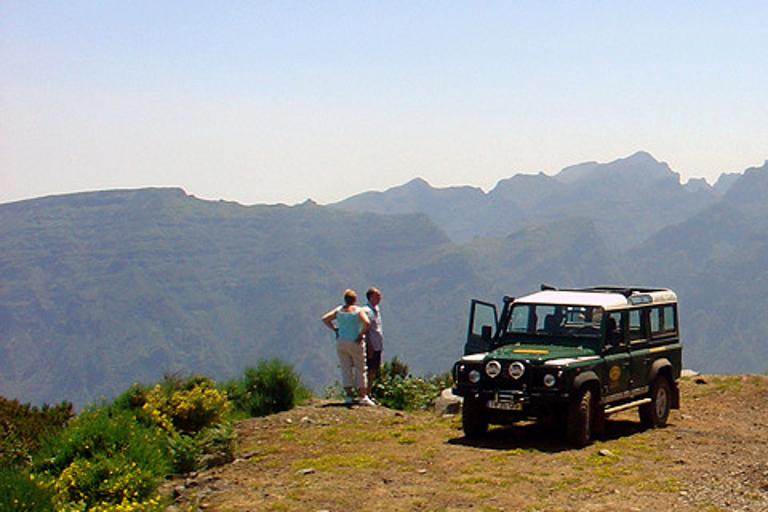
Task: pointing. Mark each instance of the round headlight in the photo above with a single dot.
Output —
(550, 380)
(493, 369)
(474, 376)
(516, 370)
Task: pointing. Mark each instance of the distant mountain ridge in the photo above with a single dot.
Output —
(630, 198)
(99, 290)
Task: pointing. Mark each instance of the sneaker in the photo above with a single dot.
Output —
(366, 401)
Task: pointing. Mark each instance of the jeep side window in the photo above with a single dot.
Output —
(636, 331)
(670, 319)
(614, 332)
(662, 320)
(655, 321)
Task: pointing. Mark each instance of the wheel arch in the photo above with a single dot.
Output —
(591, 381)
(662, 367)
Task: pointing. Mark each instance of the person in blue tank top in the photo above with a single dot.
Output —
(350, 323)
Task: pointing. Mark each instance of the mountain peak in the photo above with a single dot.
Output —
(417, 183)
(638, 166)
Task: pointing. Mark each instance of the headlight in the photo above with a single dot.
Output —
(516, 370)
(474, 376)
(550, 380)
(493, 369)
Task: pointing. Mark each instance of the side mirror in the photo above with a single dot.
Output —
(486, 332)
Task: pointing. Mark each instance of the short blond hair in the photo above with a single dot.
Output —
(350, 297)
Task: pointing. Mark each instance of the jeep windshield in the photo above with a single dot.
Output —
(552, 324)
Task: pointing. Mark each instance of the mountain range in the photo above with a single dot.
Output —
(103, 289)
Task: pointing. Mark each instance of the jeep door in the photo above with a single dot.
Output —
(618, 369)
(639, 349)
(483, 324)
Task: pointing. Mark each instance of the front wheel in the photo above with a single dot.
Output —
(656, 413)
(474, 418)
(579, 421)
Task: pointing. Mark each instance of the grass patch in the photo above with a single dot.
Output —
(332, 463)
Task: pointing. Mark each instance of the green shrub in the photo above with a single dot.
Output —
(186, 453)
(22, 426)
(133, 398)
(211, 447)
(396, 388)
(272, 386)
(21, 491)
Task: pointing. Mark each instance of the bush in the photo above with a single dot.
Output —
(105, 457)
(23, 426)
(210, 448)
(188, 410)
(105, 479)
(396, 388)
(188, 406)
(272, 386)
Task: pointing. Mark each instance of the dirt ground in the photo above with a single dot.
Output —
(328, 457)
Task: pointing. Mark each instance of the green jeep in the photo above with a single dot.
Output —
(575, 355)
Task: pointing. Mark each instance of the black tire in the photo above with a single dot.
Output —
(580, 418)
(474, 418)
(656, 413)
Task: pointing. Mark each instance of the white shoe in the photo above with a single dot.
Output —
(366, 401)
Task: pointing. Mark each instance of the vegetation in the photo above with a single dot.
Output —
(113, 456)
(270, 387)
(22, 426)
(396, 388)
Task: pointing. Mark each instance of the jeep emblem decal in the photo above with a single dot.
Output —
(615, 373)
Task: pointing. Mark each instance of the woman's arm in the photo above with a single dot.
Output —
(328, 319)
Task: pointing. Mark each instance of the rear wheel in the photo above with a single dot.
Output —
(580, 417)
(656, 413)
(474, 418)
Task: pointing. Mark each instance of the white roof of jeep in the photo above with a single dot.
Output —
(606, 298)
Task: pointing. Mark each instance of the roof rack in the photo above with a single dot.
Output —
(626, 291)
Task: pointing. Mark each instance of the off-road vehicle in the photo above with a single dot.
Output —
(572, 355)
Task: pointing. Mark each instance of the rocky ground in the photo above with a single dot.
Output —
(327, 457)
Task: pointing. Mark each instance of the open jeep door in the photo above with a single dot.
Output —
(483, 324)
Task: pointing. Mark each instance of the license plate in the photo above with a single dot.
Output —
(505, 406)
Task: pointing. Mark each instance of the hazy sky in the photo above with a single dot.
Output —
(265, 102)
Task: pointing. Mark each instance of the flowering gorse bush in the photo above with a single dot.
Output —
(105, 456)
(103, 480)
(189, 409)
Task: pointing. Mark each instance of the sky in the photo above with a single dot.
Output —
(264, 102)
